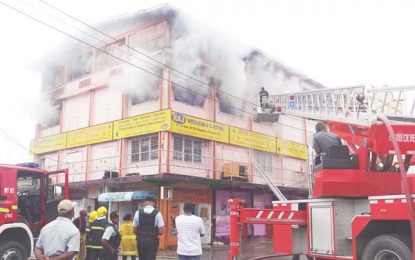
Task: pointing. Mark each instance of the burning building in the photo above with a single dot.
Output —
(164, 107)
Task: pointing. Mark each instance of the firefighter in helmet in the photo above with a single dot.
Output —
(94, 236)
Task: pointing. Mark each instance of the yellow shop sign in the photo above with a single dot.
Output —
(252, 140)
(142, 124)
(48, 144)
(91, 135)
(197, 127)
(293, 149)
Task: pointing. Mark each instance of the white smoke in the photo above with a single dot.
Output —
(204, 54)
(47, 111)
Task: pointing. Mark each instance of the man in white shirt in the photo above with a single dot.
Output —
(190, 229)
(60, 238)
(148, 224)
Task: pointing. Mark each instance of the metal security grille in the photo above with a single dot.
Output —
(144, 148)
(187, 149)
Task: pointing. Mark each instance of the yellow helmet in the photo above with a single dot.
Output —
(92, 216)
(102, 211)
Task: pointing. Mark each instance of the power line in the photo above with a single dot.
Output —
(14, 141)
(132, 64)
(118, 58)
(204, 84)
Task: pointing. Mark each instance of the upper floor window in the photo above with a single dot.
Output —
(104, 61)
(144, 148)
(80, 66)
(264, 159)
(187, 149)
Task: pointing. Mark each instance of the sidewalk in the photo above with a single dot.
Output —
(249, 249)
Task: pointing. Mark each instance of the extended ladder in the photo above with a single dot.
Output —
(358, 104)
(268, 180)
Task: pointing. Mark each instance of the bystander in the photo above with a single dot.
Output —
(60, 238)
(190, 229)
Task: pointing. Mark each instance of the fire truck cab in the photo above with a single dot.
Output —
(28, 201)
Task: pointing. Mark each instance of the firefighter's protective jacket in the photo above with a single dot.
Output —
(128, 239)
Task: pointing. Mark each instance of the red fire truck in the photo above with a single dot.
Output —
(28, 201)
(362, 194)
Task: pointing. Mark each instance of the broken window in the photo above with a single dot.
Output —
(117, 48)
(80, 66)
(142, 86)
(53, 77)
(190, 91)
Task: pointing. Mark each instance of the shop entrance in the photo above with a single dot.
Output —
(203, 211)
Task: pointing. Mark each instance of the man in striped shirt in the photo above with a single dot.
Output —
(190, 229)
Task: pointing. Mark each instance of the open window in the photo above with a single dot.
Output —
(54, 196)
(29, 196)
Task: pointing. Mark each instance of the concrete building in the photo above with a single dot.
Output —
(165, 109)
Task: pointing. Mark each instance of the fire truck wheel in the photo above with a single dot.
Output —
(387, 247)
(12, 250)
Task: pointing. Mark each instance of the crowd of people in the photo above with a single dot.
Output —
(95, 235)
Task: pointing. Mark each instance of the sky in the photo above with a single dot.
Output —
(335, 42)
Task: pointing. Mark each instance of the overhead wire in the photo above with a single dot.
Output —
(121, 59)
(110, 54)
(138, 67)
(204, 84)
(15, 142)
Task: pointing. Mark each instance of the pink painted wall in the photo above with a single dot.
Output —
(222, 209)
(75, 113)
(107, 105)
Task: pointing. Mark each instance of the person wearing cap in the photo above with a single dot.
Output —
(148, 225)
(111, 239)
(60, 238)
(92, 216)
(94, 236)
(128, 238)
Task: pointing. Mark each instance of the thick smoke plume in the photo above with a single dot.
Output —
(200, 57)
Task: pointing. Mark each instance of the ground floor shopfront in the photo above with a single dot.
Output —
(210, 197)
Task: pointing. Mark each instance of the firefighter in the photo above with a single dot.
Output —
(91, 218)
(94, 236)
(111, 239)
(128, 238)
(263, 97)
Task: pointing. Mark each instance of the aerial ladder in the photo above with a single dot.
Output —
(362, 204)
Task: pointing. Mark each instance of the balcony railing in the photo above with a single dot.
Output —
(163, 161)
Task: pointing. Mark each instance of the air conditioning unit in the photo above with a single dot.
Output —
(235, 171)
(110, 174)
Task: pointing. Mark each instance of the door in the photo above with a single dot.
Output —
(31, 199)
(321, 230)
(204, 211)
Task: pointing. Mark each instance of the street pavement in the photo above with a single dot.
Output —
(249, 250)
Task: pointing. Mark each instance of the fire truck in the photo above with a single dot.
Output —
(28, 201)
(362, 193)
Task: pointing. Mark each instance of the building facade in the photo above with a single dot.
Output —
(149, 112)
